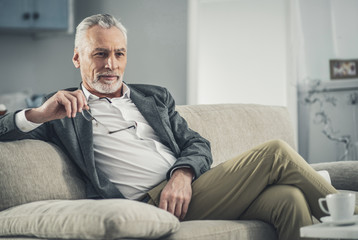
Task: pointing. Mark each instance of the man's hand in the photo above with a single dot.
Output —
(176, 195)
(62, 104)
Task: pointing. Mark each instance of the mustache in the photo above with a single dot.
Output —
(98, 76)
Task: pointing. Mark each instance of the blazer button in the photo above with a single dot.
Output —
(3, 130)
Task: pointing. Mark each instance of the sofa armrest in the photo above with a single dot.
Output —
(344, 174)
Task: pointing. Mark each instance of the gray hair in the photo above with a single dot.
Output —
(103, 20)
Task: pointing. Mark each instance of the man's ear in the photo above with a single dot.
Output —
(76, 58)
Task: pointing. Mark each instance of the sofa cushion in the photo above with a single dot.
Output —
(235, 128)
(32, 170)
(87, 219)
(220, 229)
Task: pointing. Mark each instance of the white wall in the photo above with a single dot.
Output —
(39, 65)
(240, 52)
(157, 34)
(330, 31)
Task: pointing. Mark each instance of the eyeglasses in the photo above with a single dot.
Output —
(89, 117)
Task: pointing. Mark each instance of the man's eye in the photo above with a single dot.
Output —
(99, 54)
(120, 54)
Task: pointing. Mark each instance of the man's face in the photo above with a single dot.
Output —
(102, 59)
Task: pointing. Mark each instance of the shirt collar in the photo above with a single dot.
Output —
(90, 96)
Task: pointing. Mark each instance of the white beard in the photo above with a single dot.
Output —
(106, 87)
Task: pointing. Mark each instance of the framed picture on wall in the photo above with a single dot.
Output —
(343, 68)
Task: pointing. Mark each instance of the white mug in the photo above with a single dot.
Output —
(340, 205)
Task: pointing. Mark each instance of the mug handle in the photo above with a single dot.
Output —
(320, 201)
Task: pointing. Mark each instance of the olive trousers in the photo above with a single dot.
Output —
(270, 182)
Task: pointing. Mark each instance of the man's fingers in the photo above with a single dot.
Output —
(81, 100)
(85, 105)
(167, 202)
(72, 111)
(163, 204)
(174, 204)
(66, 103)
(184, 210)
(73, 102)
(60, 105)
(178, 209)
(171, 207)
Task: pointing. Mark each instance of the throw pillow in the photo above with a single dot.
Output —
(87, 219)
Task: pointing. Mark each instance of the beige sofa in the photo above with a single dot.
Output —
(42, 194)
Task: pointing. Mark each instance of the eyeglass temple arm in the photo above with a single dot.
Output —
(92, 117)
(133, 126)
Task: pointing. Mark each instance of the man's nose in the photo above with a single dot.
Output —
(111, 63)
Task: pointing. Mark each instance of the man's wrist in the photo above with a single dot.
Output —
(23, 123)
(186, 170)
(33, 115)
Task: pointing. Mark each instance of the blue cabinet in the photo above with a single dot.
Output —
(34, 15)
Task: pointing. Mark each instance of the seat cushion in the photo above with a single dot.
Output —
(32, 170)
(87, 219)
(222, 229)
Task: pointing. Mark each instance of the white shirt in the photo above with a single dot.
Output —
(134, 160)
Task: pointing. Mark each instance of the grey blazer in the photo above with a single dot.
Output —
(74, 137)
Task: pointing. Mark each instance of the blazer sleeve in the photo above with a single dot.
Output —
(10, 132)
(195, 150)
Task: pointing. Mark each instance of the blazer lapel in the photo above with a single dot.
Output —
(148, 108)
(84, 135)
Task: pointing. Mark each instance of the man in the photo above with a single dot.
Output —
(129, 142)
